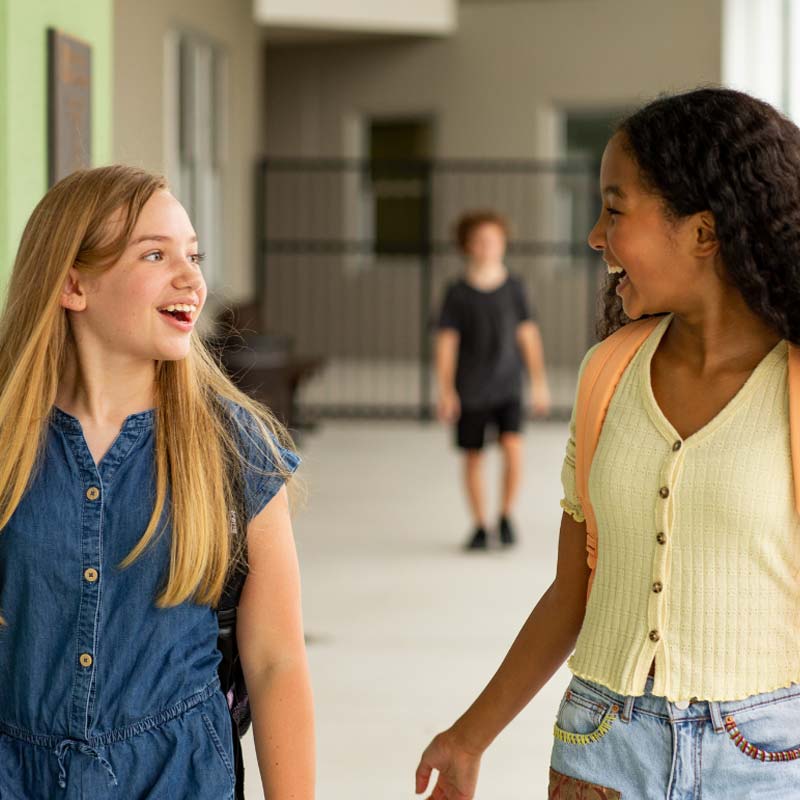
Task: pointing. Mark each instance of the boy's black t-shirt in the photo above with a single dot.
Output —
(490, 366)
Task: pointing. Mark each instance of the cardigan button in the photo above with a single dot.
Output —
(661, 537)
(664, 492)
(677, 446)
(654, 636)
(658, 586)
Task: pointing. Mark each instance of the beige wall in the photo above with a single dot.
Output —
(497, 88)
(140, 137)
(493, 86)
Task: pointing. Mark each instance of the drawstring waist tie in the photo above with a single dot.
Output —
(73, 744)
(61, 746)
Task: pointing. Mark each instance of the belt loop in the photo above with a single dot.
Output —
(627, 709)
(716, 716)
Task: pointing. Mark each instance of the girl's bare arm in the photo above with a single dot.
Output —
(541, 647)
(272, 649)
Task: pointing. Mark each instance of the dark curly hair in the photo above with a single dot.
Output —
(724, 151)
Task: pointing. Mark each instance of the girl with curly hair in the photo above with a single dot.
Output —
(119, 439)
(686, 655)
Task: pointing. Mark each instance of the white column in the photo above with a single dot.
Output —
(756, 48)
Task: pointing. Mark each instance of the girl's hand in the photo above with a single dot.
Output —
(458, 768)
(448, 407)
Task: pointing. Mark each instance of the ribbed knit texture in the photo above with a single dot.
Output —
(728, 617)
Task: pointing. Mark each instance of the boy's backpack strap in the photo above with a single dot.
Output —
(599, 380)
(794, 418)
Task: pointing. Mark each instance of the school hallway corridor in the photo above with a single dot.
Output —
(405, 629)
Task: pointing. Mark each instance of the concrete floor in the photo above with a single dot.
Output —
(405, 629)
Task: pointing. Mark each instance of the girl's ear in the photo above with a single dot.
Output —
(704, 228)
(72, 295)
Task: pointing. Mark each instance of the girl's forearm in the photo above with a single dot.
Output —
(283, 729)
(541, 647)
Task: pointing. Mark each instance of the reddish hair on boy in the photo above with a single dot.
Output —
(469, 221)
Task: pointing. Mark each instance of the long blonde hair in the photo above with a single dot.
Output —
(194, 448)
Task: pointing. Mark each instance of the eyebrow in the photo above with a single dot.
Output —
(615, 190)
(152, 237)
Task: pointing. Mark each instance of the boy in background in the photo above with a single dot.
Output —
(487, 333)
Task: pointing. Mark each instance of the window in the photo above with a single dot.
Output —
(196, 127)
(398, 183)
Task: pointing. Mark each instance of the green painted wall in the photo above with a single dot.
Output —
(4, 267)
(23, 102)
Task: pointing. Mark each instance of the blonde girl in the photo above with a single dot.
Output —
(119, 435)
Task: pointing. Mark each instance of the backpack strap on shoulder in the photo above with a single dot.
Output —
(794, 418)
(599, 380)
(237, 526)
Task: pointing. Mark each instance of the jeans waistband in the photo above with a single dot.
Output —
(697, 710)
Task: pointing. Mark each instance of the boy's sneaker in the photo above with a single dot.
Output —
(507, 536)
(478, 541)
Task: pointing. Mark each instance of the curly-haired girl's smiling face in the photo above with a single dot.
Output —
(661, 261)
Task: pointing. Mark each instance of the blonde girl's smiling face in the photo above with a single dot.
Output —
(124, 306)
(634, 234)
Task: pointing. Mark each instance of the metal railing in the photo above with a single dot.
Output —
(354, 256)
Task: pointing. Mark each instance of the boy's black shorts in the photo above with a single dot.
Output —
(471, 425)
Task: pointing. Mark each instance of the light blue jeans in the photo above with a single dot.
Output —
(608, 746)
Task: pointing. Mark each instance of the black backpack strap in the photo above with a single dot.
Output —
(234, 582)
(237, 517)
(229, 667)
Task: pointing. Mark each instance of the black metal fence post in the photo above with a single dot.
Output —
(260, 238)
(592, 282)
(425, 283)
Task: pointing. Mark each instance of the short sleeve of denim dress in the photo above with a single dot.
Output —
(104, 694)
(262, 480)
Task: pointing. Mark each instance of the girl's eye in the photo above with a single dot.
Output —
(158, 255)
(612, 211)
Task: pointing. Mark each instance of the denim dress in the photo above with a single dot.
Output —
(104, 695)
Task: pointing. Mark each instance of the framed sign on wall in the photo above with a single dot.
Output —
(69, 104)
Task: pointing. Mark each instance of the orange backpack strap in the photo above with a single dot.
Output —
(598, 383)
(599, 380)
(794, 418)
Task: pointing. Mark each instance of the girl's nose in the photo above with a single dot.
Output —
(191, 275)
(597, 236)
